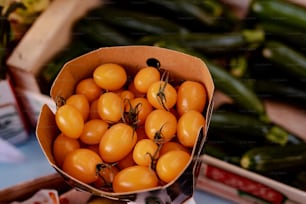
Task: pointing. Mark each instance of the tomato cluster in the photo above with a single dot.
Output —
(123, 132)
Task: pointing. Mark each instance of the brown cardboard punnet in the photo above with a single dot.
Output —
(133, 58)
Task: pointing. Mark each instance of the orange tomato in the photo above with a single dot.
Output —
(162, 95)
(191, 95)
(106, 176)
(93, 110)
(117, 142)
(188, 127)
(127, 161)
(170, 165)
(131, 87)
(145, 152)
(89, 89)
(134, 178)
(145, 77)
(62, 146)
(81, 103)
(82, 164)
(110, 107)
(160, 125)
(126, 95)
(70, 121)
(170, 146)
(110, 76)
(93, 131)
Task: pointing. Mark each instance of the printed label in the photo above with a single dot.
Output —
(244, 184)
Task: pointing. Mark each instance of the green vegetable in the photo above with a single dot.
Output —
(291, 36)
(136, 23)
(220, 153)
(6, 33)
(215, 43)
(280, 90)
(287, 59)
(209, 15)
(279, 12)
(98, 33)
(234, 123)
(272, 158)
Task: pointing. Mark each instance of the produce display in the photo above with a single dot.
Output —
(251, 59)
(147, 118)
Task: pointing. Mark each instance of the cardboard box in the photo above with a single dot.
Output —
(243, 186)
(46, 37)
(132, 58)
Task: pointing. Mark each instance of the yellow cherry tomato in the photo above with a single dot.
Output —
(110, 107)
(117, 142)
(89, 89)
(188, 127)
(170, 165)
(93, 131)
(70, 121)
(80, 102)
(127, 161)
(160, 125)
(191, 95)
(145, 77)
(126, 95)
(62, 146)
(93, 110)
(106, 176)
(162, 95)
(170, 146)
(134, 178)
(110, 76)
(145, 152)
(82, 164)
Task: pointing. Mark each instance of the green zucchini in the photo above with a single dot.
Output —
(99, 34)
(234, 123)
(280, 90)
(286, 58)
(279, 12)
(216, 43)
(287, 34)
(136, 23)
(209, 15)
(272, 158)
(225, 82)
(219, 152)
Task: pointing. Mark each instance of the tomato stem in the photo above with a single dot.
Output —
(60, 101)
(161, 96)
(131, 117)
